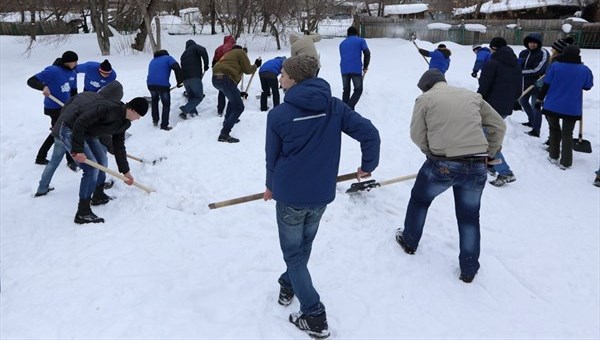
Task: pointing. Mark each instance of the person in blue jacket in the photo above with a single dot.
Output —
(159, 71)
(268, 73)
(303, 142)
(440, 58)
(562, 98)
(353, 69)
(60, 81)
(534, 60)
(97, 75)
(482, 54)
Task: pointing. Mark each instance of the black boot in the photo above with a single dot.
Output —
(99, 197)
(85, 215)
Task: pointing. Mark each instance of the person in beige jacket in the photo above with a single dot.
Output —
(448, 126)
(306, 45)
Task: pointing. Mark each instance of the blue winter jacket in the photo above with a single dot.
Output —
(351, 50)
(533, 62)
(440, 58)
(61, 81)
(273, 66)
(159, 71)
(563, 83)
(483, 54)
(93, 80)
(303, 143)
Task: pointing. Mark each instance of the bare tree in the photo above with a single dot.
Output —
(99, 15)
(148, 10)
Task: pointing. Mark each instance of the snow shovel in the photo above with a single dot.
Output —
(413, 37)
(144, 161)
(580, 144)
(116, 174)
(245, 93)
(368, 185)
(258, 196)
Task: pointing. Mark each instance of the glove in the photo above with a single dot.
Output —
(258, 62)
(244, 95)
(180, 85)
(474, 74)
(539, 83)
(517, 106)
(538, 104)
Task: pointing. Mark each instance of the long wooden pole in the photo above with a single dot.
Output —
(118, 175)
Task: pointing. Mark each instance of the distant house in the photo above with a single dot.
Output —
(190, 15)
(523, 9)
(407, 11)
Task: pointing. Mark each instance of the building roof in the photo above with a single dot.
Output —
(515, 5)
(404, 9)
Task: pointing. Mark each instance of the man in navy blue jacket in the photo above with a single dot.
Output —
(194, 63)
(303, 142)
(351, 66)
(159, 71)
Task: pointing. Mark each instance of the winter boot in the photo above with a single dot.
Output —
(597, 181)
(286, 294)
(467, 278)
(315, 326)
(227, 139)
(400, 240)
(501, 180)
(85, 215)
(108, 184)
(99, 197)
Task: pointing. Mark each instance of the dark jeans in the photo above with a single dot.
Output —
(357, 82)
(220, 103)
(165, 98)
(561, 135)
(467, 179)
(533, 115)
(195, 94)
(235, 107)
(45, 147)
(269, 84)
(297, 230)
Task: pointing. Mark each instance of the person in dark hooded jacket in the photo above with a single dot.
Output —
(194, 62)
(84, 120)
(228, 43)
(159, 72)
(500, 86)
(562, 99)
(440, 58)
(60, 81)
(533, 60)
(303, 142)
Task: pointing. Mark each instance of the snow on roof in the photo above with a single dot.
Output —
(404, 9)
(514, 5)
(189, 10)
(439, 26)
(476, 28)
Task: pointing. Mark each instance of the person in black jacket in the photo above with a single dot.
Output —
(194, 62)
(81, 126)
(500, 86)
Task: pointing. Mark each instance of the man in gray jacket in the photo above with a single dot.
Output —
(447, 125)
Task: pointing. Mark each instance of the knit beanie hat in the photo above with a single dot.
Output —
(560, 44)
(301, 67)
(476, 47)
(352, 31)
(571, 51)
(105, 67)
(441, 46)
(497, 42)
(430, 78)
(139, 105)
(69, 57)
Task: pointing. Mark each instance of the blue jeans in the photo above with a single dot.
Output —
(534, 115)
(195, 94)
(297, 230)
(94, 151)
(165, 98)
(220, 103)
(235, 107)
(57, 155)
(502, 168)
(467, 180)
(357, 82)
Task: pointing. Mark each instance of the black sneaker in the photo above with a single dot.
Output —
(41, 161)
(38, 194)
(182, 116)
(597, 181)
(166, 128)
(155, 123)
(286, 294)
(73, 166)
(407, 249)
(315, 326)
(228, 139)
(109, 184)
(528, 124)
(533, 133)
(220, 114)
(467, 278)
(100, 199)
(503, 179)
(88, 218)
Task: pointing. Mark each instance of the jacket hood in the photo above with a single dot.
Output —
(293, 38)
(533, 37)
(61, 63)
(160, 53)
(229, 40)
(505, 55)
(311, 95)
(189, 43)
(446, 52)
(430, 78)
(112, 91)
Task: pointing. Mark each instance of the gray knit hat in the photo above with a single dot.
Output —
(301, 67)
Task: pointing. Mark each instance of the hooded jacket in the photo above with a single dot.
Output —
(61, 81)
(303, 143)
(305, 45)
(228, 43)
(159, 71)
(96, 114)
(93, 80)
(233, 64)
(500, 81)
(194, 60)
(440, 58)
(483, 54)
(448, 122)
(533, 62)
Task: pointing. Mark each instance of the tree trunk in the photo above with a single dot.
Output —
(477, 9)
(99, 15)
(145, 25)
(158, 35)
(213, 17)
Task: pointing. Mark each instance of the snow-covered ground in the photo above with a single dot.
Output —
(165, 266)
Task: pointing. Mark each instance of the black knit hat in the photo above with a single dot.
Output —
(560, 44)
(69, 57)
(352, 31)
(301, 67)
(139, 105)
(441, 46)
(497, 42)
(105, 66)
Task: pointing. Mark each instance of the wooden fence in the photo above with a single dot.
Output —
(41, 28)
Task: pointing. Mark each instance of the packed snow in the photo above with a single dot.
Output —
(165, 266)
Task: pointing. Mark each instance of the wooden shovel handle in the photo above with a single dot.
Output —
(116, 174)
